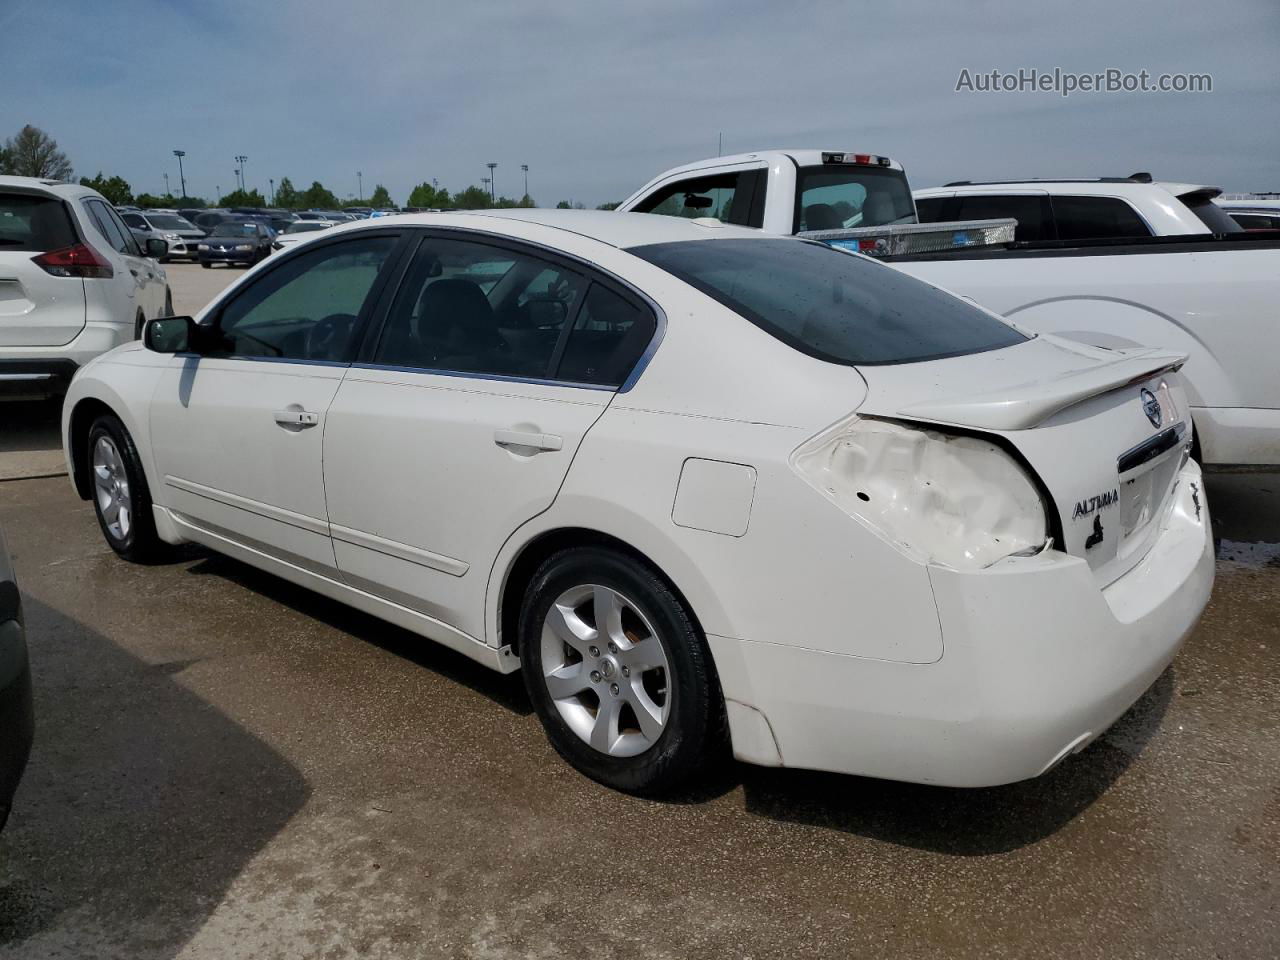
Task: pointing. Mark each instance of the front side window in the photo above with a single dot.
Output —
(1030, 210)
(308, 307)
(830, 304)
(839, 196)
(1096, 218)
(469, 307)
(725, 196)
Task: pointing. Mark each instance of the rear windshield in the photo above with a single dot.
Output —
(829, 304)
(29, 222)
(236, 228)
(833, 197)
(1211, 215)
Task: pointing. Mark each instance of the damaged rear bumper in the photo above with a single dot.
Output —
(1038, 661)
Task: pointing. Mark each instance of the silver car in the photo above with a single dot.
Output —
(180, 235)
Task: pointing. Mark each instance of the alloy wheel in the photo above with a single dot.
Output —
(606, 670)
(111, 489)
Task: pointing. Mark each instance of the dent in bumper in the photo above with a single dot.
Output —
(1037, 661)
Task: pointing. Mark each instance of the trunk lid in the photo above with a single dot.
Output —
(1105, 431)
(37, 309)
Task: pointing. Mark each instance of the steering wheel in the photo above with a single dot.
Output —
(328, 336)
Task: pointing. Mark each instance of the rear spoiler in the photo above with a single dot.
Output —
(891, 240)
(1026, 406)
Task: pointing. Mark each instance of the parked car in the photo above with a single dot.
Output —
(235, 241)
(1101, 208)
(1199, 285)
(1253, 214)
(664, 539)
(73, 282)
(211, 218)
(180, 236)
(17, 717)
(300, 230)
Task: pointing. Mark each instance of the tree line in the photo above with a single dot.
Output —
(33, 153)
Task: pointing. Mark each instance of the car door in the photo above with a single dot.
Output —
(461, 419)
(236, 432)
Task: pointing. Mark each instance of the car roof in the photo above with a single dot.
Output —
(57, 188)
(802, 158)
(1110, 187)
(615, 229)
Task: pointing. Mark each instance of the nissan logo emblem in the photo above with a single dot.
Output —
(1150, 406)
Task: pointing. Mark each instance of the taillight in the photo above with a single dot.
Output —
(77, 260)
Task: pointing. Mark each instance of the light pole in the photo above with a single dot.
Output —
(487, 181)
(525, 168)
(181, 176)
(240, 159)
(217, 192)
(166, 186)
(360, 181)
(493, 183)
(272, 182)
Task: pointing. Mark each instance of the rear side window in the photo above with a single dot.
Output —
(35, 223)
(1031, 212)
(832, 305)
(1096, 218)
(929, 209)
(111, 227)
(607, 339)
(725, 196)
(839, 196)
(468, 307)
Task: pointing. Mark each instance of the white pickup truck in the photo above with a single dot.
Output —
(1206, 291)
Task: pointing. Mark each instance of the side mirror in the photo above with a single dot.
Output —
(169, 334)
(157, 248)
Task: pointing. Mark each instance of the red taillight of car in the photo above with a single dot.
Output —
(77, 260)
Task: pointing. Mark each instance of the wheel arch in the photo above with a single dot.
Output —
(516, 566)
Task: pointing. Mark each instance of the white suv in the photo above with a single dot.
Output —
(74, 282)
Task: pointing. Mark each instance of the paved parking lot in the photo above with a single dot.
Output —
(227, 766)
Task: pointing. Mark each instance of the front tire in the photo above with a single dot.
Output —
(618, 672)
(206, 264)
(121, 498)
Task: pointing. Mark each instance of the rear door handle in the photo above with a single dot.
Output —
(296, 418)
(535, 441)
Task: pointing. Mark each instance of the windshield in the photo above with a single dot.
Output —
(235, 228)
(305, 226)
(830, 304)
(168, 222)
(833, 197)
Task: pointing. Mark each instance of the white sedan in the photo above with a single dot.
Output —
(704, 486)
(299, 230)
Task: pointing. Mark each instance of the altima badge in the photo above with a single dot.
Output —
(1151, 407)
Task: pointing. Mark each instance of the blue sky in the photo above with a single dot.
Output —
(597, 97)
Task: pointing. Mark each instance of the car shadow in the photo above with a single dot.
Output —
(961, 822)
(141, 804)
(506, 690)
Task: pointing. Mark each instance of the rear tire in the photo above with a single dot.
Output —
(121, 497)
(206, 264)
(636, 704)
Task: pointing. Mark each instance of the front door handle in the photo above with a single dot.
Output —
(297, 419)
(533, 441)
